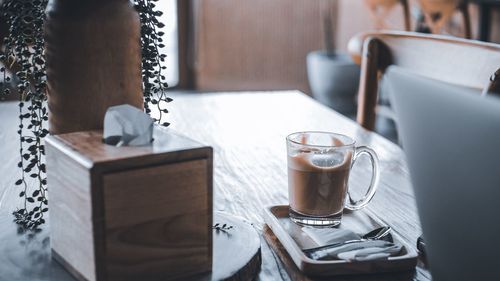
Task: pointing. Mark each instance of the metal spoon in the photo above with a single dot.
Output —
(381, 233)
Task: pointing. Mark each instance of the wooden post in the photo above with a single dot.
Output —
(186, 37)
(93, 57)
(464, 8)
(368, 85)
(407, 14)
(493, 87)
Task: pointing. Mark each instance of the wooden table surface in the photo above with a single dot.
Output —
(247, 132)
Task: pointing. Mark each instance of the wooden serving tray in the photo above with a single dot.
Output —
(294, 240)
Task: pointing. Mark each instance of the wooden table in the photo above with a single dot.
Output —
(247, 131)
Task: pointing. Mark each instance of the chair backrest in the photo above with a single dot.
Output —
(453, 60)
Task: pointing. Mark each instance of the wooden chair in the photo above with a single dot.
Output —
(379, 9)
(453, 60)
(439, 12)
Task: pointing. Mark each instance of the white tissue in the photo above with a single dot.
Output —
(370, 253)
(325, 236)
(127, 125)
(362, 250)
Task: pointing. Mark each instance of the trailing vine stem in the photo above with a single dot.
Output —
(153, 79)
(24, 55)
(25, 74)
(222, 227)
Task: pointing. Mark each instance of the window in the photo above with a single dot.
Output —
(171, 49)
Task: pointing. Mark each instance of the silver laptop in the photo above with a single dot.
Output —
(451, 137)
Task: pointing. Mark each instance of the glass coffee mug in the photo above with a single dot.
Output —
(319, 164)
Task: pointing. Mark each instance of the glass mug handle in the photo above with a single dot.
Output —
(361, 203)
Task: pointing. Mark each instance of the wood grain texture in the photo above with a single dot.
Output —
(465, 63)
(237, 254)
(369, 83)
(296, 275)
(295, 240)
(254, 45)
(72, 213)
(157, 222)
(247, 132)
(168, 146)
(148, 220)
(93, 62)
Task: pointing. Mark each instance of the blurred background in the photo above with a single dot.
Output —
(263, 44)
(238, 45)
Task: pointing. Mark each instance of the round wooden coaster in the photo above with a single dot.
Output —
(236, 251)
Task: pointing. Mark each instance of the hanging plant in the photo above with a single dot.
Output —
(153, 78)
(25, 74)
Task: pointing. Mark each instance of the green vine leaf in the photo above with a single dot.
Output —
(23, 50)
(224, 227)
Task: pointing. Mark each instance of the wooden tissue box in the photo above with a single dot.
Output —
(130, 213)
